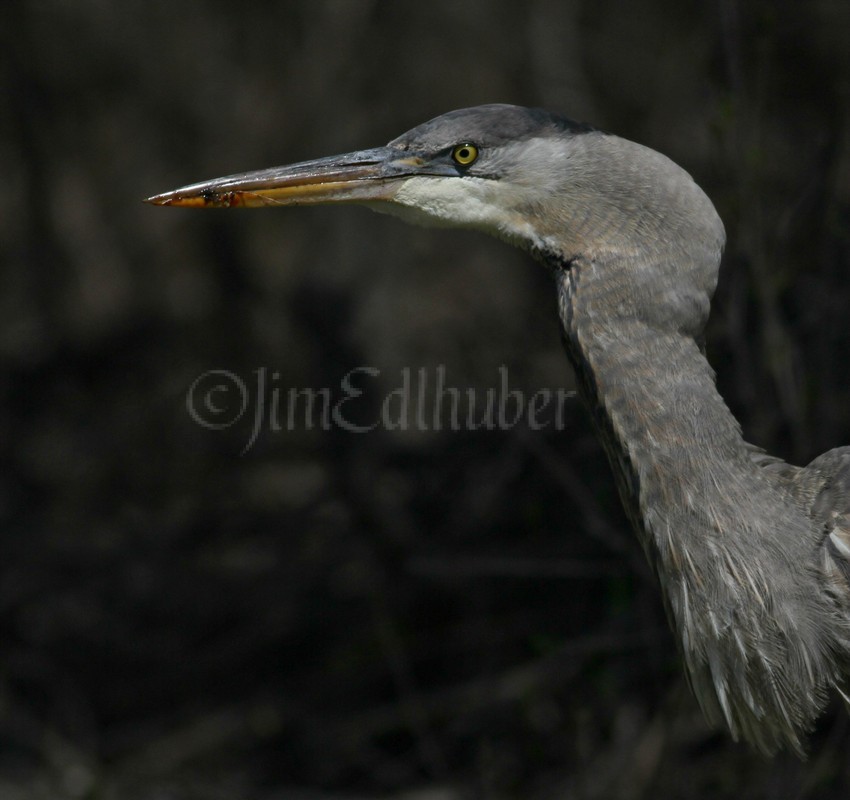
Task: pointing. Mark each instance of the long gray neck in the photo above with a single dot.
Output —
(671, 439)
(723, 538)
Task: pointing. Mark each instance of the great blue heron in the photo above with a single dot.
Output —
(753, 554)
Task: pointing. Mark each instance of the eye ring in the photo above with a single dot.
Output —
(464, 154)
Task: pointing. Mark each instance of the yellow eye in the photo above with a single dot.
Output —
(464, 154)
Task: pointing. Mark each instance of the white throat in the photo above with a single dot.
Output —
(469, 202)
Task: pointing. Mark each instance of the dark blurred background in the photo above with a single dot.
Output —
(401, 614)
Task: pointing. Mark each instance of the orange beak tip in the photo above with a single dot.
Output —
(159, 200)
(196, 201)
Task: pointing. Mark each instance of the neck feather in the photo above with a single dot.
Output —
(736, 558)
(671, 439)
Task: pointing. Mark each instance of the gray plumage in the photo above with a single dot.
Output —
(752, 554)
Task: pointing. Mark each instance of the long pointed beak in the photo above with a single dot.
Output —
(363, 176)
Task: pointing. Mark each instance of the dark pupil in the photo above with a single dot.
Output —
(464, 153)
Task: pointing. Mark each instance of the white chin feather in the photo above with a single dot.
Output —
(460, 203)
(455, 202)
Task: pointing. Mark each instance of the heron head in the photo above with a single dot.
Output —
(499, 168)
(555, 187)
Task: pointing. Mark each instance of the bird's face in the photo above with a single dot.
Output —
(560, 189)
(490, 167)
